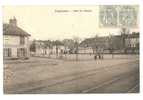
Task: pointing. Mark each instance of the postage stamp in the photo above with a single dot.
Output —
(117, 16)
(108, 16)
(127, 16)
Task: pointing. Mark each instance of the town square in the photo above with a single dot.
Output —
(71, 49)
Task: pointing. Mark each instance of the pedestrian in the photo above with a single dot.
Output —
(95, 57)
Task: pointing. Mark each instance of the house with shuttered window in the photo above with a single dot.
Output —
(15, 41)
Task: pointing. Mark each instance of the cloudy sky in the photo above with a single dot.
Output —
(58, 22)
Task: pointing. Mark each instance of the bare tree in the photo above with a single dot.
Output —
(124, 32)
(48, 44)
(76, 45)
(111, 45)
(33, 46)
(57, 43)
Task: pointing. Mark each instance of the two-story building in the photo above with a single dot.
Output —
(15, 41)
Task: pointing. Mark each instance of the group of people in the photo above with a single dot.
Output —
(99, 53)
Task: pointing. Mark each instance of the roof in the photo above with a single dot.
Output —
(102, 39)
(13, 30)
(133, 35)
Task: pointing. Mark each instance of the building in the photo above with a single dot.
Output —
(132, 42)
(94, 45)
(85, 50)
(40, 48)
(127, 43)
(46, 48)
(15, 41)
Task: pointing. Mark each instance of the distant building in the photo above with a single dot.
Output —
(58, 49)
(85, 50)
(127, 43)
(15, 41)
(94, 45)
(46, 48)
(132, 42)
(40, 48)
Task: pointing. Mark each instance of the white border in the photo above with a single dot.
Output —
(71, 96)
(67, 2)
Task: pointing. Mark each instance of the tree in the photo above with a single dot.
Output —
(33, 46)
(111, 45)
(48, 45)
(57, 43)
(88, 43)
(76, 45)
(68, 44)
(124, 32)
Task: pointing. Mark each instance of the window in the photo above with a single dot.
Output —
(21, 52)
(7, 52)
(22, 40)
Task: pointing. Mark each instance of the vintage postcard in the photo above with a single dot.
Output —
(67, 49)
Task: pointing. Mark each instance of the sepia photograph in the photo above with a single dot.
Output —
(71, 49)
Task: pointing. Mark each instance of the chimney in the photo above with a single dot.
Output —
(13, 22)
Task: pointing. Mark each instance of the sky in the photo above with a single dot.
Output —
(58, 22)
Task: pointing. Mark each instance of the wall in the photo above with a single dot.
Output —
(11, 40)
